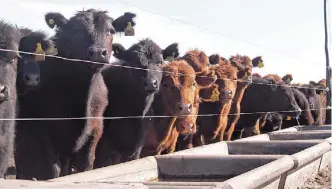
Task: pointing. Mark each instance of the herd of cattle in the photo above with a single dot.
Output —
(81, 115)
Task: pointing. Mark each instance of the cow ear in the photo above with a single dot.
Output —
(124, 20)
(206, 80)
(171, 52)
(55, 19)
(119, 51)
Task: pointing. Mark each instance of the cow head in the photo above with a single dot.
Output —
(9, 39)
(88, 35)
(28, 65)
(200, 63)
(288, 78)
(178, 88)
(146, 57)
(282, 99)
(225, 86)
(274, 77)
(217, 59)
(309, 90)
(244, 65)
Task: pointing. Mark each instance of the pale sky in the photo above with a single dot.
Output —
(288, 34)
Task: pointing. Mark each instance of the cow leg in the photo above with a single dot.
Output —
(65, 164)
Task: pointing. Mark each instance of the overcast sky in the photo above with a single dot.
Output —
(288, 34)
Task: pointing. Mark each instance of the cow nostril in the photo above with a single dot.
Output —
(155, 83)
(104, 53)
(189, 107)
(180, 106)
(38, 79)
(4, 89)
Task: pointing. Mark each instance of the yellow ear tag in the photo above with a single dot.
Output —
(40, 53)
(288, 118)
(260, 64)
(245, 76)
(214, 96)
(129, 31)
(52, 51)
(51, 21)
(169, 58)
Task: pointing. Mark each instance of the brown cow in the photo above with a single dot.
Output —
(178, 96)
(212, 128)
(256, 75)
(274, 77)
(215, 95)
(320, 90)
(244, 66)
(288, 78)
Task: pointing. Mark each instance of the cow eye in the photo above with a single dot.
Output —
(165, 85)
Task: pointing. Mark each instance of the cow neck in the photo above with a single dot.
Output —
(241, 87)
(162, 125)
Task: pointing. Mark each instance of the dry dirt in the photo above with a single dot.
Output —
(321, 181)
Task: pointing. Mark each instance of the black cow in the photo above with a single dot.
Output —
(28, 72)
(315, 103)
(9, 39)
(63, 91)
(306, 117)
(264, 95)
(131, 92)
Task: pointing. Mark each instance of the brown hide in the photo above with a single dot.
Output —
(178, 85)
(244, 65)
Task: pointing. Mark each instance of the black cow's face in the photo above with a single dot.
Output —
(88, 35)
(28, 65)
(310, 93)
(147, 57)
(282, 99)
(9, 38)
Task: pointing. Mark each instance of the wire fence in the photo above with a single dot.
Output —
(137, 68)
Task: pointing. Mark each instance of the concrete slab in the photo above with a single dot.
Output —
(296, 177)
(210, 166)
(10, 184)
(306, 164)
(262, 137)
(189, 185)
(266, 176)
(219, 148)
(269, 147)
(313, 127)
(310, 154)
(133, 171)
(300, 135)
(325, 160)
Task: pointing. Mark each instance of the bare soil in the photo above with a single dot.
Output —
(321, 181)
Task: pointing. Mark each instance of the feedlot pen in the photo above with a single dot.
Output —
(289, 158)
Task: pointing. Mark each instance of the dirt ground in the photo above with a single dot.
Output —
(321, 181)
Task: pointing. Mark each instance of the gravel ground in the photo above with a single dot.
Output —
(321, 181)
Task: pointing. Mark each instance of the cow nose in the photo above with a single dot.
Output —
(98, 54)
(185, 109)
(4, 93)
(31, 79)
(151, 85)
